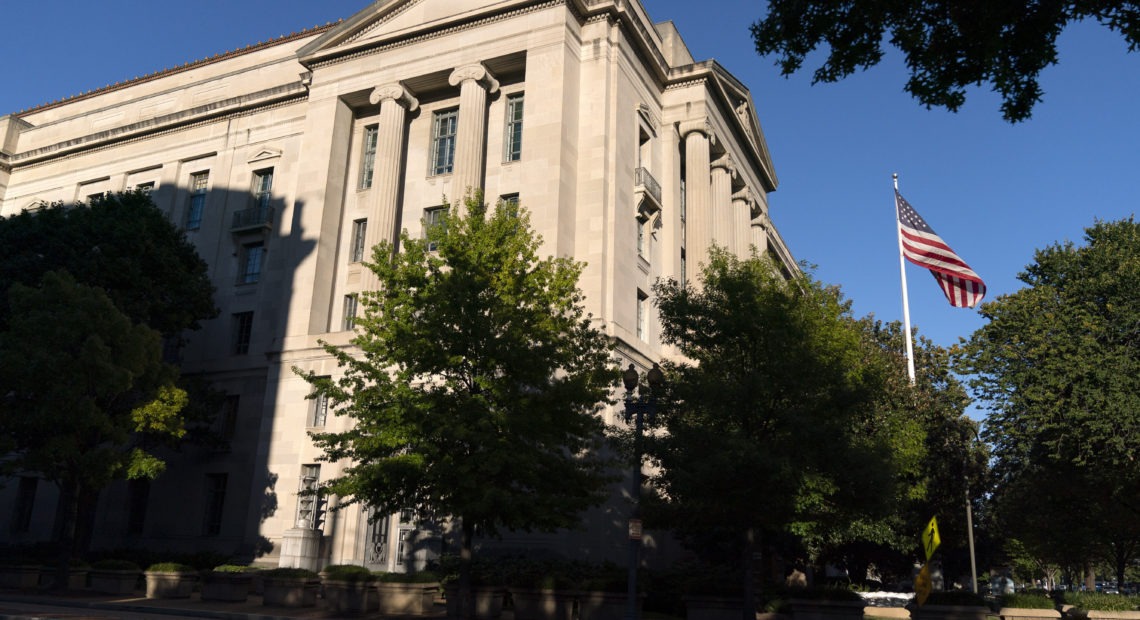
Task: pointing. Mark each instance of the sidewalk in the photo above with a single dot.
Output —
(252, 609)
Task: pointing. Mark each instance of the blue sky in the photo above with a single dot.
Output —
(994, 191)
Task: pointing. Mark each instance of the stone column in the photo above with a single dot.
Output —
(698, 137)
(742, 202)
(722, 174)
(384, 200)
(474, 82)
(760, 225)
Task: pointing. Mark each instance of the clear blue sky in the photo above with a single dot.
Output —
(995, 192)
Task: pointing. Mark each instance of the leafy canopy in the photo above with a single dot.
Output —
(949, 45)
(474, 380)
(1058, 366)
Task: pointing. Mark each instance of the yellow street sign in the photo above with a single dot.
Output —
(930, 538)
(922, 585)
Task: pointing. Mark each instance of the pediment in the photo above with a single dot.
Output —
(390, 20)
(264, 154)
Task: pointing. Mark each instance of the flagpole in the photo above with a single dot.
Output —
(906, 303)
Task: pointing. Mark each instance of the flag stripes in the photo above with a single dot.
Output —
(923, 247)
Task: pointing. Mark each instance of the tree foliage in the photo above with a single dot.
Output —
(780, 387)
(1058, 364)
(473, 382)
(948, 45)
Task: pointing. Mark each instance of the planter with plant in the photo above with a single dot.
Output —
(170, 580)
(290, 587)
(544, 590)
(487, 590)
(604, 594)
(114, 576)
(950, 605)
(407, 594)
(712, 593)
(19, 575)
(348, 589)
(1028, 607)
(227, 582)
(1101, 606)
(825, 604)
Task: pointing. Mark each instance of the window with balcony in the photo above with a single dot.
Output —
(262, 188)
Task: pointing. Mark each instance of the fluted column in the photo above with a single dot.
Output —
(722, 174)
(760, 225)
(474, 82)
(384, 202)
(698, 137)
(742, 222)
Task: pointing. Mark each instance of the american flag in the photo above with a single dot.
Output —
(923, 247)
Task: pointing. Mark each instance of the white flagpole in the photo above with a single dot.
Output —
(906, 303)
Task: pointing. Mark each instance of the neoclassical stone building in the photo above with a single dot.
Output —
(287, 160)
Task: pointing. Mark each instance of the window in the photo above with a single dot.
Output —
(308, 498)
(227, 417)
(368, 157)
(25, 502)
(443, 129)
(242, 328)
(262, 188)
(642, 315)
(433, 216)
(214, 500)
(350, 304)
(145, 188)
(198, 183)
(138, 496)
(251, 259)
(319, 414)
(512, 142)
(510, 201)
(359, 231)
(683, 268)
(641, 225)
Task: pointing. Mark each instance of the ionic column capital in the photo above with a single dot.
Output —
(396, 92)
(724, 162)
(700, 126)
(477, 73)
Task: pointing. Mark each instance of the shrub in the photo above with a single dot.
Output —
(115, 564)
(1027, 601)
(420, 577)
(170, 567)
(289, 573)
(231, 569)
(1101, 602)
(348, 572)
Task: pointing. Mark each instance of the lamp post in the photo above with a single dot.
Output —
(970, 516)
(637, 409)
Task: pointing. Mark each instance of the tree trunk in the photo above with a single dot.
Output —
(65, 517)
(1090, 577)
(466, 596)
(88, 502)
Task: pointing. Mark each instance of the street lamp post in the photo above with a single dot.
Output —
(638, 408)
(970, 516)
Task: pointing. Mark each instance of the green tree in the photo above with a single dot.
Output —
(86, 395)
(1058, 365)
(122, 244)
(770, 421)
(948, 45)
(473, 383)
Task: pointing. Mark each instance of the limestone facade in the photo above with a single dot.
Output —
(286, 161)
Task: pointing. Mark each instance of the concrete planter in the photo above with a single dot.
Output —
(1018, 613)
(488, 601)
(406, 599)
(163, 584)
(349, 597)
(228, 587)
(290, 591)
(595, 605)
(24, 577)
(816, 609)
(1094, 614)
(949, 612)
(703, 607)
(543, 604)
(110, 581)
